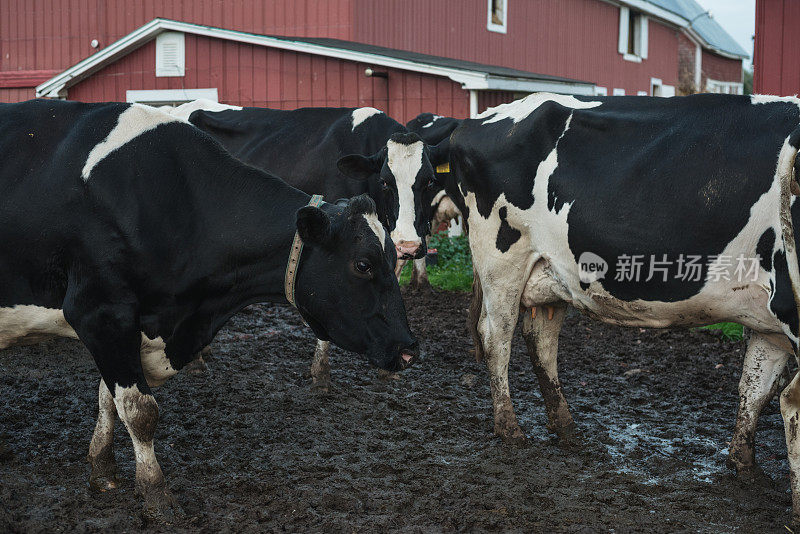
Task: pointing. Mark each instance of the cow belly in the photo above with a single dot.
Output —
(28, 325)
(744, 303)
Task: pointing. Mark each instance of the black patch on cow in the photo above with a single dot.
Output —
(766, 243)
(782, 303)
(506, 236)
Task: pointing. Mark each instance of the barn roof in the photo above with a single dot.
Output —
(695, 20)
(470, 75)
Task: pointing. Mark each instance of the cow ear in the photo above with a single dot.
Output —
(440, 153)
(359, 167)
(313, 225)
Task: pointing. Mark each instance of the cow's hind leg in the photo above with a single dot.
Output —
(764, 362)
(321, 367)
(101, 448)
(540, 328)
(790, 410)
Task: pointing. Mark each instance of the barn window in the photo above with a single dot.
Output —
(633, 38)
(170, 54)
(497, 15)
(170, 97)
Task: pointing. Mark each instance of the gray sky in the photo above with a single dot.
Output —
(738, 17)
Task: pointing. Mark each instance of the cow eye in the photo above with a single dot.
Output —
(363, 266)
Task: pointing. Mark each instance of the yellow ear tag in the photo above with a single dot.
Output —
(443, 168)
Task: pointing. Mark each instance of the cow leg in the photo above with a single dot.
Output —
(541, 337)
(101, 448)
(763, 364)
(113, 336)
(499, 312)
(790, 410)
(321, 367)
(419, 275)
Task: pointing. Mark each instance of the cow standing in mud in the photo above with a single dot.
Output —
(337, 153)
(641, 212)
(150, 236)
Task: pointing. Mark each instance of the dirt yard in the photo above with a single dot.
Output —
(248, 445)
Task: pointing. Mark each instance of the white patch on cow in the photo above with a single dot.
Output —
(362, 114)
(185, 110)
(28, 325)
(155, 364)
(131, 123)
(434, 119)
(405, 162)
(520, 109)
(438, 197)
(377, 227)
(769, 99)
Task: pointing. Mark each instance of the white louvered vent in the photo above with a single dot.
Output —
(170, 54)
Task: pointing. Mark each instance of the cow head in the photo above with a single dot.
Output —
(345, 287)
(399, 176)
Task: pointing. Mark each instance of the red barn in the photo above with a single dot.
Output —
(776, 65)
(452, 57)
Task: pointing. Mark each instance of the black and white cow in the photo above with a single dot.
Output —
(149, 235)
(433, 129)
(338, 153)
(637, 211)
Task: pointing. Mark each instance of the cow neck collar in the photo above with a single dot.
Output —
(294, 258)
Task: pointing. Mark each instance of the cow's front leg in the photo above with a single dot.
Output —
(419, 276)
(101, 449)
(790, 410)
(320, 366)
(764, 362)
(495, 328)
(540, 328)
(112, 334)
(138, 409)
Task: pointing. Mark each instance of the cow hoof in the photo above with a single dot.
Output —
(160, 508)
(321, 385)
(753, 475)
(513, 436)
(569, 436)
(103, 483)
(196, 366)
(385, 375)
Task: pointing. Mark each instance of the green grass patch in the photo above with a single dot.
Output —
(454, 270)
(729, 331)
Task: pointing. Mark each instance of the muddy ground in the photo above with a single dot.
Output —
(250, 446)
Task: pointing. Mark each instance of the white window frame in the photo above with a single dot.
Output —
(641, 36)
(170, 96)
(656, 87)
(490, 25)
(618, 92)
(178, 68)
(600, 90)
(727, 88)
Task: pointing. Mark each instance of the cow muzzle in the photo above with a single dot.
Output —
(409, 250)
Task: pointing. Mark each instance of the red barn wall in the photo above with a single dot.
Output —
(570, 38)
(721, 68)
(249, 75)
(54, 34)
(776, 61)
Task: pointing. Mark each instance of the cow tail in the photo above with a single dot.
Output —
(475, 315)
(789, 188)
